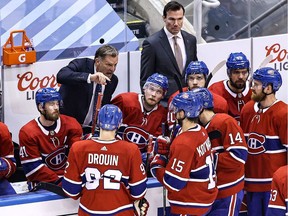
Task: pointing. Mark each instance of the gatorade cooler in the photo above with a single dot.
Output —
(22, 54)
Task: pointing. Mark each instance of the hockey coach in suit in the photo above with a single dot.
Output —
(169, 50)
(80, 78)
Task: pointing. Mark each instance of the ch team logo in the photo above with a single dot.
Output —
(57, 159)
(137, 136)
(256, 143)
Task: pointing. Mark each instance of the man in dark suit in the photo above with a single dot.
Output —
(159, 53)
(78, 82)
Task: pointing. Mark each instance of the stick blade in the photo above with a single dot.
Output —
(214, 71)
(266, 61)
(218, 67)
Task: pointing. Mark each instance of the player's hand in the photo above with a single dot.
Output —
(162, 145)
(141, 207)
(99, 78)
(159, 161)
(4, 168)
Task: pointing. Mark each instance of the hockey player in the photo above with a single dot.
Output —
(264, 122)
(142, 113)
(278, 204)
(107, 174)
(195, 75)
(188, 175)
(45, 140)
(235, 90)
(7, 160)
(230, 154)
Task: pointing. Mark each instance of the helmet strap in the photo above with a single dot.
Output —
(265, 94)
(272, 92)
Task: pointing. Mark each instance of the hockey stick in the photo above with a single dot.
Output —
(96, 107)
(214, 71)
(180, 89)
(266, 61)
(149, 151)
(49, 187)
(164, 189)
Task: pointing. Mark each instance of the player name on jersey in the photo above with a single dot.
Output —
(103, 159)
(206, 146)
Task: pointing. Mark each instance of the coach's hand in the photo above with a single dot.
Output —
(99, 78)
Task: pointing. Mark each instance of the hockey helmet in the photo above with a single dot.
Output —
(44, 95)
(109, 117)
(159, 80)
(206, 96)
(189, 102)
(196, 67)
(268, 75)
(237, 61)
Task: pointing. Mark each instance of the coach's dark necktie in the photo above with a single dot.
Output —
(178, 54)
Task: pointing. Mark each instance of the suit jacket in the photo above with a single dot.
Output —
(76, 92)
(157, 56)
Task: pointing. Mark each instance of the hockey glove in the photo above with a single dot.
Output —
(4, 168)
(159, 161)
(162, 145)
(141, 207)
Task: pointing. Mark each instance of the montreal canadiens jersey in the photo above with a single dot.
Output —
(139, 124)
(278, 204)
(189, 176)
(228, 143)
(235, 101)
(106, 175)
(43, 153)
(220, 105)
(266, 135)
(7, 150)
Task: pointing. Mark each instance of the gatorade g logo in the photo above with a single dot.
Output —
(256, 143)
(57, 159)
(22, 58)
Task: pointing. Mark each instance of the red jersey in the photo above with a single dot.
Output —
(235, 101)
(7, 150)
(278, 204)
(229, 143)
(139, 123)
(220, 105)
(43, 153)
(106, 175)
(266, 135)
(188, 175)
